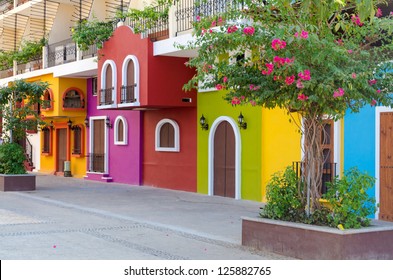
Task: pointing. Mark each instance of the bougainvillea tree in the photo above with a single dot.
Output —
(320, 59)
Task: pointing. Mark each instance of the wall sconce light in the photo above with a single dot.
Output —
(86, 122)
(69, 123)
(241, 122)
(108, 122)
(203, 123)
(51, 125)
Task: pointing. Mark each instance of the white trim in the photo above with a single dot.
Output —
(106, 146)
(106, 64)
(136, 79)
(378, 111)
(116, 130)
(238, 146)
(176, 148)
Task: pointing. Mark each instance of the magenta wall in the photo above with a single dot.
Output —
(124, 164)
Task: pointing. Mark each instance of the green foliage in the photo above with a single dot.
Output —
(11, 159)
(17, 118)
(283, 199)
(351, 205)
(94, 32)
(29, 51)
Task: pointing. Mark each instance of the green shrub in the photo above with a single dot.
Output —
(11, 159)
(283, 198)
(351, 205)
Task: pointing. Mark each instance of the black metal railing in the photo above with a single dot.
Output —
(106, 97)
(153, 29)
(96, 162)
(328, 172)
(61, 52)
(127, 94)
(91, 52)
(187, 11)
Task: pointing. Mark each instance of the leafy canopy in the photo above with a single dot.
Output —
(314, 57)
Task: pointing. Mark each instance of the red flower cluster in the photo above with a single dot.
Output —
(232, 29)
(278, 44)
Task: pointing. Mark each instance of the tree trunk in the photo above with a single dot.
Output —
(312, 162)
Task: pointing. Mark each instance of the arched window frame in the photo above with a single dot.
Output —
(81, 96)
(176, 147)
(50, 103)
(125, 131)
(124, 81)
(103, 85)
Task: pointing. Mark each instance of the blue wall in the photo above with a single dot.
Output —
(359, 141)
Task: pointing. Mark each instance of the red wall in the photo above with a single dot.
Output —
(173, 170)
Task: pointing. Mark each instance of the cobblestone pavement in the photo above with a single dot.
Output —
(68, 218)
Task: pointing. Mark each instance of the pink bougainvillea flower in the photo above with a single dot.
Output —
(302, 97)
(391, 13)
(339, 42)
(232, 29)
(253, 103)
(225, 79)
(353, 75)
(372, 82)
(242, 97)
(249, 30)
(203, 31)
(269, 67)
(305, 75)
(350, 51)
(378, 91)
(299, 84)
(220, 20)
(373, 102)
(296, 34)
(356, 20)
(338, 93)
(219, 87)
(289, 80)
(378, 13)
(210, 30)
(198, 18)
(235, 101)
(278, 44)
(304, 34)
(214, 23)
(276, 78)
(252, 87)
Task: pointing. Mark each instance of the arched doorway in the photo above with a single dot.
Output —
(224, 158)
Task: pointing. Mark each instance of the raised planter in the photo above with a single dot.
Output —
(20, 182)
(316, 242)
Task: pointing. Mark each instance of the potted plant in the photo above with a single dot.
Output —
(18, 105)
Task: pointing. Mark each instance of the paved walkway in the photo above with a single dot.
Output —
(68, 218)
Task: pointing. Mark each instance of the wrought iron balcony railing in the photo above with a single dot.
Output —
(127, 94)
(61, 53)
(328, 173)
(96, 162)
(106, 96)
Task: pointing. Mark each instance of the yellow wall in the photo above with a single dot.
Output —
(280, 143)
(60, 118)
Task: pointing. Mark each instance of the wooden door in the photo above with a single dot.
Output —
(224, 160)
(98, 156)
(327, 145)
(386, 167)
(61, 148)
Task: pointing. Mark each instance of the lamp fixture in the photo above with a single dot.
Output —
(51, 125)
(241, 122)
(204, 124)
(69, 123)
(108, 122)
(86, 121)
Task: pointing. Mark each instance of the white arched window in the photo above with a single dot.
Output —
(130, 82)
(167, 136)
(108, 85)
(121, 131)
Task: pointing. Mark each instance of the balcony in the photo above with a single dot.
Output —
(106, 96)
(127, 94)
(328, 173)
(61, 53)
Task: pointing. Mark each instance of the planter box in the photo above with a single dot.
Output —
(20, 182)
(316, 242)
